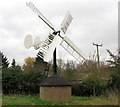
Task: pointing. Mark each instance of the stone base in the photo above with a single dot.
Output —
(58, 94)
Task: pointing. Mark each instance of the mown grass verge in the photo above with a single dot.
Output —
(35, 100)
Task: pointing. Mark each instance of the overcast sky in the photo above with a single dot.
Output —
(93, 21)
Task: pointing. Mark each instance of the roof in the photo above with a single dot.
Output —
(55, 80)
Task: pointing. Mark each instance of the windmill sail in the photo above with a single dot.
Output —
(48, 46)
(31, 6)
(66, 22)
(56, 41)
(71, 48)
(45, 45)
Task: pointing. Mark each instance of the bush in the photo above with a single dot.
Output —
(11, 80)
(77, 89)
(114, 82)
(114, 62)
(31, 81)
(88, 87)
(16, 81)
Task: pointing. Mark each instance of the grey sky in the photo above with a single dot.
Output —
(93, 21)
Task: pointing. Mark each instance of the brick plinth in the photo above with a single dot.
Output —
(58, 94)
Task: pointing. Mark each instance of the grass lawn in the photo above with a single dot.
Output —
(35, 100)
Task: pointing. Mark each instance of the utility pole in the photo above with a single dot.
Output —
(98, 52)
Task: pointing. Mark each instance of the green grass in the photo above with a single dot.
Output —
(35, 100)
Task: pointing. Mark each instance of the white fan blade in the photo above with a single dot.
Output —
(66, 22)
(28, 41)
(56, 41)
(37, 40)
(37, 43)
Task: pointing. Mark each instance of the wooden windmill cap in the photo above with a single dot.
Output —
(55, 80)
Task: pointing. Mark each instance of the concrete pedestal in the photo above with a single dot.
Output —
(55, 88)
(58, 94)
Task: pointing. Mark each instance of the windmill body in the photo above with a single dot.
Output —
(54, 86)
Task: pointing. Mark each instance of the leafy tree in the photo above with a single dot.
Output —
(11, 80)
(5, 62)
(69, 70)
(29, 63)
(40, 64)
(115, 65)
(13, 63)
(31, 81)
(16, 81)
(39, 60)
(115, 59)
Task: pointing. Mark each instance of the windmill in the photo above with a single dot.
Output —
(47, 49)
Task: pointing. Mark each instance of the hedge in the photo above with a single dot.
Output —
(16, 81)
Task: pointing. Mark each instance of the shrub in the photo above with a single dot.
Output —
(31, 81)
(114, 82)
(115, 65)
(11, 80)
(88, 87)
(77, 89)
(16, 81)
